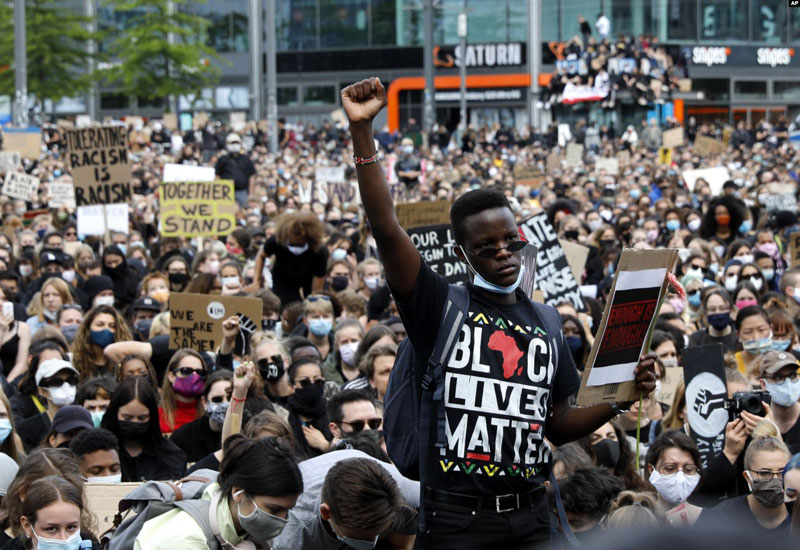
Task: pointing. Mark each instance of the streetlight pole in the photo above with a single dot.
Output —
(429, 106)
(272, 78)
(90, 12)
(171, 40)
(256, 59)
(535, 58)
(462, 35)
(20, 66)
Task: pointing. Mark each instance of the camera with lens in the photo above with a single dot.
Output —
(750, 401)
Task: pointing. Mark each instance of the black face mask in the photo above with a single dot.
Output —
(271, 372)
(116, 272)
(309, 401)
(339, 283)
(135, 431)
(269, 324)
(374, 435)
(607, 453)
(571, 235)
(607, 243)
(178, 279)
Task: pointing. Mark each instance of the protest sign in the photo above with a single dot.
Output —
(196, 319)
(96, 219)
(553, 162)
(706, 394)
(670, 381)
(639, 285)
(610, 165)
(83, 121)
(399, 192)
(185, 172)
(102, 499)
(170, 121)
(530, 175)
(238, 121)
(30, 215)
(715, 177)
(624, 158)
(672, 138)
(437, 248)
(794, 249)
(61, 194)
(704, 146)
(574, 154)
(794, 139)
(576, 257)
(777, 203)
(99, 160)
(418, 214)
(553, 274)
(18, 185)
(341, 117)
(26, 141)
(197, 209)
(9, 161)
(664, 156)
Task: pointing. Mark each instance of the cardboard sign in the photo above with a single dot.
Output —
(794, 249)
(624, 158)
(664, 156)
(100, 165)
(326, 174)
(706, 394)
(196, 319)
(197, 209)
(705, 146)
(61, 194)
(238, 121)
(28, 143)
(9, 161)
(553, 161)
(553, 274)
(398, 192)
(715, 177)
(419, 214)
(530, 175)
(18, 185)
(170, 121)
(575, 154)
(610, 165)
(669, 385)
(672, 138)
(186, 172)
(777, 203)
(436, 246)
(577, 255)
(103, 499)
(96, 219)
(639, 286)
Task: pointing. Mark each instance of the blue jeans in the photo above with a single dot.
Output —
(241, 198)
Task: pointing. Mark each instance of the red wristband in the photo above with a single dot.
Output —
(361, 161)
(237, 400)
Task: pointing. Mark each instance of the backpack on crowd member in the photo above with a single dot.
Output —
(153, 498)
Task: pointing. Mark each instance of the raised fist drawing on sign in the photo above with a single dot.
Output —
(706, 403)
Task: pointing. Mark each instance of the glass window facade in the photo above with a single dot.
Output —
(319, 95)
(227, 24)
(750, 89)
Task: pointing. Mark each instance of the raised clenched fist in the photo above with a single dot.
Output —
(363, 100)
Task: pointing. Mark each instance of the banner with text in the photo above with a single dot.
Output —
(421, 214)
(100, 165)
(706, 394)
(197, 208)
(437, 248)
(196, 319)
(9, 161)
(21, 186)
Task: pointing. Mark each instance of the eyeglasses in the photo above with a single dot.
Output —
(766, 475)
(70, 234)
(358, 425)
(672, 469)
(487, 253)
(750, 277)
(188, 371)
(58, 382)
(317, 297)
(306, 382)
(779, 379)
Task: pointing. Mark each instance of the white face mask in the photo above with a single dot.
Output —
(104, 301)
(730, 282)
(297, 250)
(594, 225)
(234, 147)
(114, 478)
(675, 488)
(348, 352)
(693, 225)
(746, 259)
(68, 275)
(372, 282)
(63, 395)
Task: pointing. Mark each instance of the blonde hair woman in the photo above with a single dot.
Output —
(46, 303)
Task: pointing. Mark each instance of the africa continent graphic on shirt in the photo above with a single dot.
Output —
(497, 386)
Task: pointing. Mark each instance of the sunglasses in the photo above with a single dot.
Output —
(58, 382)
(219, 399)
(318, 297)
(188, 371)
(487, 253)
(358, 425)
(306, 382)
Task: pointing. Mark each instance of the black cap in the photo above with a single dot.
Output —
(146, 304)
(71, 417)
(51, 258)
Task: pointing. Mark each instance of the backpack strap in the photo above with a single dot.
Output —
(200, 510)
(562, 514)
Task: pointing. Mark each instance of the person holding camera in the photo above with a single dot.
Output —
(780, 377)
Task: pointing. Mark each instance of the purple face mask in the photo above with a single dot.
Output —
(189, 386)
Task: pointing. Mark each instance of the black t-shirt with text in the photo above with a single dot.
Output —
(292, 272)
(500, 381)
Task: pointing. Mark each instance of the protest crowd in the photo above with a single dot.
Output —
(126, 357)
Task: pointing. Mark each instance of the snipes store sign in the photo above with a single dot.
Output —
(715, 56)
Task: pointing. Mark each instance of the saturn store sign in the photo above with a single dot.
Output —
(510, 54)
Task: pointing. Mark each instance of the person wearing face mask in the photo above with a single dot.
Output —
(141, 315)
(125, 278)
(248, 506)
(237, 166)
(755, 339)
(575, 337)
(202, 437)
(780, 377)
(674, 469)
(369, 275)
(354, 412)
(144, 453)
(763, 510)
(57, 381)
(351, 501)
(98, 290)
(68, 422)
(15, 339)
(68, 320)
(716, 311)
(340, 276)
(53, 294)
(206, 261)
(317, 326)
(183, 384)
(408, 167)
(300, 256)
(177, 269)
(307, 415)
(609, 448)
(340, 366)
(102, 326)
(722, 219)
(98, 454)
(51, 517)
(237, 244)
(587, 496)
